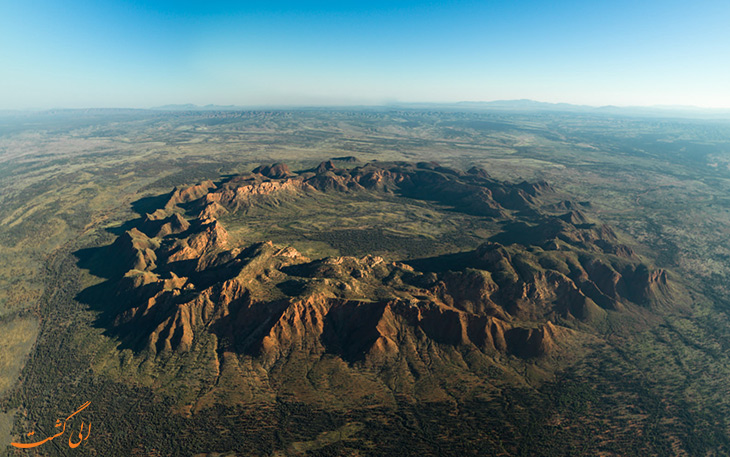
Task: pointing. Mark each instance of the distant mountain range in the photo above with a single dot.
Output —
(511, 106)
(524, 105)
(192, 107)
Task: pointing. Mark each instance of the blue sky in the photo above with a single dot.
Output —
(78, 53)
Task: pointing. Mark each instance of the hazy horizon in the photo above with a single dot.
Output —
(134, 54)
(514, 104)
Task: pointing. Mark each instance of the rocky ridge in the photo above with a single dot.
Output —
(528, 293)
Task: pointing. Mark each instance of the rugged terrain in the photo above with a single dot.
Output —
(112, 285)
(538, 293)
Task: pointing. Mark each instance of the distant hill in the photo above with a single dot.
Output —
(525, 106)
(528, 106)
(193, 107)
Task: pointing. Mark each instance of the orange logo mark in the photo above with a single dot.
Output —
(71, 442)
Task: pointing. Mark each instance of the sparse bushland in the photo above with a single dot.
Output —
(659, 389)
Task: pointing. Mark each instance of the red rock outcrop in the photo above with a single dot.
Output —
(276, 171)
(513, 296)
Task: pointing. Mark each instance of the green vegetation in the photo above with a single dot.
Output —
(361, 223)
(68, 182)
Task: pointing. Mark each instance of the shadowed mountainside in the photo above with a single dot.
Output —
(540, 291)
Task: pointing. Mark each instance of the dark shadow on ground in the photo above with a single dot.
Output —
(107, 298)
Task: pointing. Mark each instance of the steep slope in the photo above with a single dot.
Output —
(533, 293)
